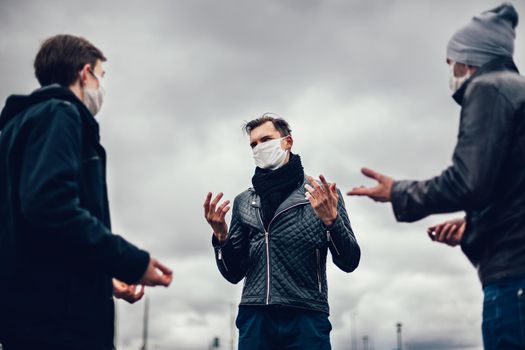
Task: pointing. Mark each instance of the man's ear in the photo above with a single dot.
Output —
(84, 72)
(289, 142)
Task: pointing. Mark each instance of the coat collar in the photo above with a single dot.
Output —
(499, 64)
(16, 104)
(297, 197)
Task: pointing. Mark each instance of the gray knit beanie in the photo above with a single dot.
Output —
(488, 36)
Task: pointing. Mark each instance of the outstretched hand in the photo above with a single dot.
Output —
(379, 193)
(323, 198)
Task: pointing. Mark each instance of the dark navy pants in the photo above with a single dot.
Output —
(504, 315)
(27, 345)
(282, 328)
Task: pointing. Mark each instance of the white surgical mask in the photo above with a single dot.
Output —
(93, 98)
(455, 82)
(269, 154)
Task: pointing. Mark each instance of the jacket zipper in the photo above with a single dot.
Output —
(330, 240)
(318, 270)
(267, 242)
(219, 256)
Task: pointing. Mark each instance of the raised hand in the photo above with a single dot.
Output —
(449, 232)
(156, 274)
(379, 193)
(127, 292)
(215, 216)
(323, 199)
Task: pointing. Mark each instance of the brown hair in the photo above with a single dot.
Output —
(279, 124)
(61, 57)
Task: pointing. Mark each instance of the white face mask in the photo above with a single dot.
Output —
(455, 82)
(93, 98)
(269, 154)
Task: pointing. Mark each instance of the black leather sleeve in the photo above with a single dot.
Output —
(483, 141)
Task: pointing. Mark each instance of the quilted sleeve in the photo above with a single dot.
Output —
(232, 255)
(341, 240)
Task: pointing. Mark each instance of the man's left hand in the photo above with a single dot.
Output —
(450, 232)
(127, 292)
(323, 199)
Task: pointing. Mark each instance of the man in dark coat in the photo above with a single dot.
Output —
(487, 177)
(57, 252)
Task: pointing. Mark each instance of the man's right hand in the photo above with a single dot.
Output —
(449, 232)
(215, 216)
(156, 274)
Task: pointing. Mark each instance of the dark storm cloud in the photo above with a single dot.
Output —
(361, 82)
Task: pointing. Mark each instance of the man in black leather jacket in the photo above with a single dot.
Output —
(487, 177)
(278, 241)
(57, 252)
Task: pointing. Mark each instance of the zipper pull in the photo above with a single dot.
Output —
(219, 254)
(266, 237)
(330, 240)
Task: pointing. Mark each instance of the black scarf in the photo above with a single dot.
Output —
(274, 186)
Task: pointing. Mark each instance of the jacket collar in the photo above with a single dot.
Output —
(499, 64)
(16, 104)
(297, 197)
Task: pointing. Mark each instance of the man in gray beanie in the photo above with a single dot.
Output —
(487, 175)
(487, 37)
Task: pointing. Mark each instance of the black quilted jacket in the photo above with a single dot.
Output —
(286, 264)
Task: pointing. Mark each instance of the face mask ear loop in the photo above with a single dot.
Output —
(81, 80)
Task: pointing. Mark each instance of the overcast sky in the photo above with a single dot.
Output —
(361, 83)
